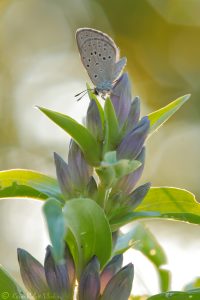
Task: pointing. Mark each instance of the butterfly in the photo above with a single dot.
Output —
(101, 58)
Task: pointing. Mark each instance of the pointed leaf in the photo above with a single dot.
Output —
(88, 232)
(159, 117)
(56, 226)
(26, 183)
(8, 287)
(79, 133)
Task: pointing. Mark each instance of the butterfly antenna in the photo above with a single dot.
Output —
(81, 96)
(85, 92)
(80, 93)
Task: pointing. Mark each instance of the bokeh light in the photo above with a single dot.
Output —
(40, 65)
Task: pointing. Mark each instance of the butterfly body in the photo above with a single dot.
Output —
(100, 57)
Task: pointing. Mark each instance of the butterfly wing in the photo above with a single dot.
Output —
(99, 55)
(119, 65)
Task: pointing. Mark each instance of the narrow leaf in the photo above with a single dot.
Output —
(159, 117)
(79, 133)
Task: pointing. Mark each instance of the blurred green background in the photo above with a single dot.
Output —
(40, 65)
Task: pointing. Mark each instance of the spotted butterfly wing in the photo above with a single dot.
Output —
(100, 56)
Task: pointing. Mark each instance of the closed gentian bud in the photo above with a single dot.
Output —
(63, 175)
(134, 115)
(80, 171)
(128, 182)
(110, 270)
(32, 273)
(70, 266)
(58, 275)
(132, 143)
(136, 197)
(91, 187)
(121, 98)
(93, 121)
(89, 286)
(119, 287)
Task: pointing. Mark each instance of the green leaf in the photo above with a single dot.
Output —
(79, 133)
(88, 232)
(56, 226)
(143, 240)
(190, 295)
(9, 289)
(26, 183)
(164, 203)
(111, 127)
(159, 117)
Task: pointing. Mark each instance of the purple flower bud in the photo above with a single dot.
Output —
(137, 196)
(110, 270)
(128, 182)
(119, 287)
(89, 286)
(32, 273)
(134, 115)
(63, 175)
(93, 121)
(80, 171)
(132, 143)
(70, 266)
(121, 98)
(60, 277)
(91, 187)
